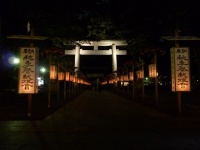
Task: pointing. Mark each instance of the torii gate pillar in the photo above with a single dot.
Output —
(77, 58)
(114, 58)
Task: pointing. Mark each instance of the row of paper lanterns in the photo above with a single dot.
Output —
(61, 76)
(130, 75)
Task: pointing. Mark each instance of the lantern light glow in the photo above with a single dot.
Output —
(61, 76)
(152, 71)
(67, 76)
(53, 72)
(131, 76)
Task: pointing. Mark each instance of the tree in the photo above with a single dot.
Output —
(101, 28)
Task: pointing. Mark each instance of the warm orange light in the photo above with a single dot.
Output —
(78, 80)
(115, 79)
(126, 78)
(140, 74)
(122, 78)
(67, 76)
(28, 70)
(152, 71)
(75, 79)
(180, 69)
(71, 78)
(131, 76)
(82, 81)
(61, 76)
(53, 72)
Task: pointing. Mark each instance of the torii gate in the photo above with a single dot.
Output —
(113, 51)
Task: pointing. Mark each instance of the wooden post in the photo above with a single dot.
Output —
(49, 85)
(72, 87)
(156, 79)
(30, 95)
(179, 101)
(58, 85)
(31, 37)
(69, 85)
(178, 92)
(123, 82)
(29, 105)
(133, 83)
(65, 85)
(143, 81)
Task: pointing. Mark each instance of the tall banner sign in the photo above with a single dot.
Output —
(28, 70)
(180, 65)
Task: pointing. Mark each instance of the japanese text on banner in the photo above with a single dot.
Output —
(28, 72)
(182, 69)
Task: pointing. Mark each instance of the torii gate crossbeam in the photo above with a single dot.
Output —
(113, 51)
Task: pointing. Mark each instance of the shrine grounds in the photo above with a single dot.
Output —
(100, 120)
(14, 106)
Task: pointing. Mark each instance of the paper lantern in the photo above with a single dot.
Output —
(152, 71)
(71, 78)
(126, 78)
(61, 76)
(140, 74)
(53, 72)
(131, 76)
(67, 76)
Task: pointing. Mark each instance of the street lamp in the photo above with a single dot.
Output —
(13, 60)
(43, 70)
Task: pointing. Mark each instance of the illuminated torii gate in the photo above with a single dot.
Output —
(113, 51)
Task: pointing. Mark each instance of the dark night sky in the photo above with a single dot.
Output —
(142, 14)
(151, 18)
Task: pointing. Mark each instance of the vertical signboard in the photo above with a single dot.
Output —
(182, 68)
(152, 71)
(27, 72)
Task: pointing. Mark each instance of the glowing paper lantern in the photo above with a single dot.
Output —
(53, 72)
(61, 76)
(67, 76)
(152, 71)
(122, 78)
(81, 81)
(110, 81)
(75, 79)
(71, 78)
(126, 78)
(115, 79)
(131, 76)
(140, 74)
